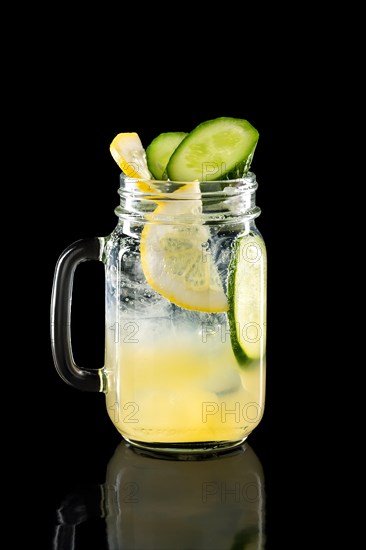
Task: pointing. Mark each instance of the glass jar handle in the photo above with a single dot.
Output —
(77, 252)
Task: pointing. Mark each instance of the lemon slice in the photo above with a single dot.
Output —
(129, 153)
(174, 259)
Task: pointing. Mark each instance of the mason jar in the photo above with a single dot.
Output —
(185, 315)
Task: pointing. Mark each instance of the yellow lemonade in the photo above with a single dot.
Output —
(181, 388)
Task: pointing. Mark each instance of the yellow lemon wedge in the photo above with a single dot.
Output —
(129, 153)
(175, 259)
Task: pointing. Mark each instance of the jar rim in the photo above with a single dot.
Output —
(245, 183)
(248, 179)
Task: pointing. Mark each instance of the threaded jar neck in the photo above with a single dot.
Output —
(207, 202)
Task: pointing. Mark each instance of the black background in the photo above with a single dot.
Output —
(73, 113)
(76, 435)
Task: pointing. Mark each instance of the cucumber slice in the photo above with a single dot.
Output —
(247, 297)
(160, 150)
(217, 149)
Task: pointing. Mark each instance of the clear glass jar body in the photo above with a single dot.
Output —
(172, 378)
(185, 297)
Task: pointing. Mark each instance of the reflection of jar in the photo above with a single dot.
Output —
(211, 504)
(150, 503)
(185, 314)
